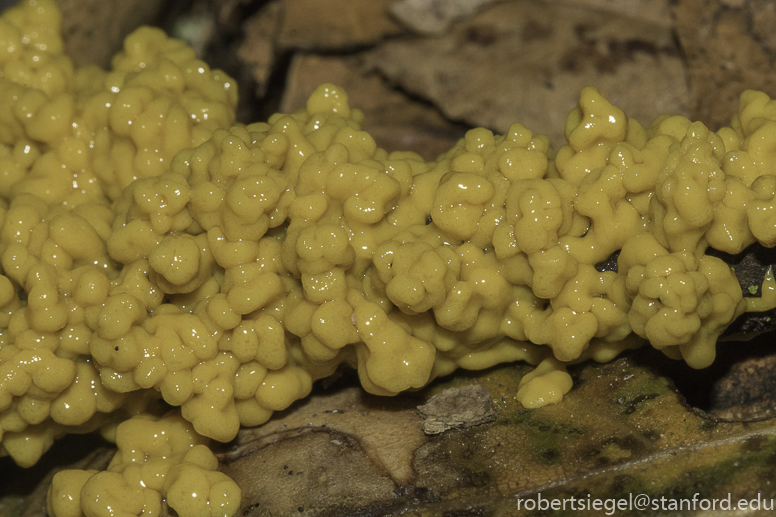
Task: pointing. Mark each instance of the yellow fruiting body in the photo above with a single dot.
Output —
(152, 250)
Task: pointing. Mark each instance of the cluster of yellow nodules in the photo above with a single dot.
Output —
(72, 136)
(152, 252)
(70, 141)
(158, 458)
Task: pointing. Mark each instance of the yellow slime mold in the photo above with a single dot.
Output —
(152, 250)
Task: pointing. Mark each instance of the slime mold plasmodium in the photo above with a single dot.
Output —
(169, 276)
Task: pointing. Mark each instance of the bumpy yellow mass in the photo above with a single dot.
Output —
(156, 255)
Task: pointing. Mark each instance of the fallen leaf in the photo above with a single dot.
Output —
(257, 52)
(652, 11)
(336, 451)
(729, 47)
(334, 24)
(87, 21)
(622, 430)
(526, 61)
(433, 16)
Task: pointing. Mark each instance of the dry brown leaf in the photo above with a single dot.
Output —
(436, 16)
(312, 24)
(433, 16)
(107, 21)
(622, 430)
(526, 61)
(652, 11)
(257, 51)
(338, 450)
(729, 47)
